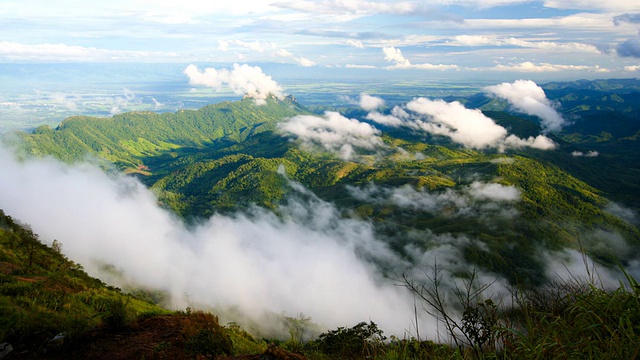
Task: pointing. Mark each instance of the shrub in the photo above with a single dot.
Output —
(352, 343)
(205, 336)
(116, 315)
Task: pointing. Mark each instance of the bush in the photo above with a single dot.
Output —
(352, 343)
(205, 336)
(116, 315)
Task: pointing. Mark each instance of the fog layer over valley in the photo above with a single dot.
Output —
(306, 261)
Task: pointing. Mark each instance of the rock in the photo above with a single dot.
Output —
(56, 342)
(5, 349)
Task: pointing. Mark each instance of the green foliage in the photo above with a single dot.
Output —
(205, 336)
(126, 138)
(243, 342)
(116, 316)
(43, 294)
(360, 341)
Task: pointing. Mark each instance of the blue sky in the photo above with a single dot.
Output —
(485, 38)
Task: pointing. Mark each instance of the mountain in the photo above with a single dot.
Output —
(126, 138)
(230, 156)
(603, 119)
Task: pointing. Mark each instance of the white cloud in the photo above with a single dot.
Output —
(475, 199)
(604, 5)
(469, 127)
(334, 133)
(494, 40)
(62, 52)
(256, 46)
(242, 79)
(357, 66)
(370, 103)
(355, 43)
(493, 192)
(465, 126)
(540, 142)
(528, 66)
(352, 7)
(300, 60)
(305, 62)
(393, 54)
(632, 68)
(526, 96)
(196, 8)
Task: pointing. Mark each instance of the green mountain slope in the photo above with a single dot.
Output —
(43, 294)
(126, 138)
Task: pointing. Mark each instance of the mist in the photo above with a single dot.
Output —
(309, 259)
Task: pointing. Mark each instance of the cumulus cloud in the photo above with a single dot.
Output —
(333, 132)
(629, 48)
(526, 96)
(242, 79)
(370, 103)
(469, 127)
(465, 126)
(394, 55)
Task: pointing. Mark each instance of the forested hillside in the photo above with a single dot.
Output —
(230, 156)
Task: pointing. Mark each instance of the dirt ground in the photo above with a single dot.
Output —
(158, 337)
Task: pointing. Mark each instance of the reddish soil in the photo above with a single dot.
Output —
(160, 337)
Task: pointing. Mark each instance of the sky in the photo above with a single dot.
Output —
(506, 39)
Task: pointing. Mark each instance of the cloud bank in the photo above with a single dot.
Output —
(526, 96)
(469, 127)
(333, 132)
(242, 80)
(308, 260)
